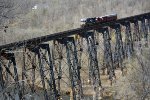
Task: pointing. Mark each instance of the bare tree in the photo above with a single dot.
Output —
(136, 84)
(140, 81)
(11, 9)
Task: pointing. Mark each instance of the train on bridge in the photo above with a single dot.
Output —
(98, 20)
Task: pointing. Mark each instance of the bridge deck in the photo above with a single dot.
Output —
(54, 36)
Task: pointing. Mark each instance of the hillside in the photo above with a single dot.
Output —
(24, 19)
(58, 15)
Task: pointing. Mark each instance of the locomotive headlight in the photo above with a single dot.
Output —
(83, 20)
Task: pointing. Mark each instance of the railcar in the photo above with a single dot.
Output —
(98, 20)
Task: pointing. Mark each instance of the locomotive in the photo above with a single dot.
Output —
(98, 20)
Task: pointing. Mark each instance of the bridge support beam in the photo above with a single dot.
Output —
(29, 63)
(108, 60)
(1, 78)
(74, 68)
(128, 46)
(136, 34)
(46, 58)
(119, 51)
(148, 24)
(41, 66)
(94, 73)
(144, 30)
(11, 60)
(57, 57)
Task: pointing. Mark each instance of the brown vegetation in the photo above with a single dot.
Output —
(24, 21)
(58, 15)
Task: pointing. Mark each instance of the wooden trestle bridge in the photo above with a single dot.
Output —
(69, 59)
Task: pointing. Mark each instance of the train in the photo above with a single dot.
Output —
(98, 20)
